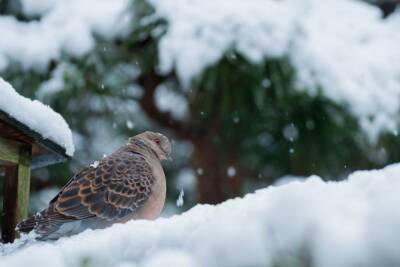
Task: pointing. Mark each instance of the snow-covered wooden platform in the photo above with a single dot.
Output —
(32, 135)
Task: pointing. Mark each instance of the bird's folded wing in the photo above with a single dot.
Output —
(117, 187)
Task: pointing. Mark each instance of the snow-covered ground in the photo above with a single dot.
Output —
(37, 116)
(325, 224)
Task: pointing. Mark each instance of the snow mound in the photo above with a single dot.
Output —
(66, 27)
(343, 47)
(309, 223)
(37, 116)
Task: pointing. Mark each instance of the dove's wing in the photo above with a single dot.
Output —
(117, 187)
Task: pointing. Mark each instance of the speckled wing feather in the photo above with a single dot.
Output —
(118, 186)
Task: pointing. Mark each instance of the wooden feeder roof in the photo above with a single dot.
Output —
(44, 151)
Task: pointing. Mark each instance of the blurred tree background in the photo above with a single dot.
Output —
(239, 125)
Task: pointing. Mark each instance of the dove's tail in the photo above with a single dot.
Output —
(40, 223)
(36, 222)
(27, 225)
(51, 225)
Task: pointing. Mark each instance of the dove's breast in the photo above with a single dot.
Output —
(155, 203)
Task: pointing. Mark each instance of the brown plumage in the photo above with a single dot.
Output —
(128, 184)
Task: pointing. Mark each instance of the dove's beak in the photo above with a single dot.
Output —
(169, 158)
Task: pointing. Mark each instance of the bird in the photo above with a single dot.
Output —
(127, 184)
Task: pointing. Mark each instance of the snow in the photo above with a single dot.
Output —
(66, 27)
(37, 116)
(169, 101)
(355, 60)
(308, 220)
(54, 85)
(95, 164)
(200, 171)
(180, 201)
(290, 132)
(129, 124)
(186, 180)
(37, 7)
(231, 171)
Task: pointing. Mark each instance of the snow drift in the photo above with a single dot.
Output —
(350, 223)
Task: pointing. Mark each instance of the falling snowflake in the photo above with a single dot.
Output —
(94, 164)
(199, 171)
(231, 171)
(130, 125)
(266, 83)
(179, 201)
(290, 132)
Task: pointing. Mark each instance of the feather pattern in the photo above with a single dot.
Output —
(118, 186)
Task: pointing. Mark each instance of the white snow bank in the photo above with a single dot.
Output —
(328, 224)
(37, 116)
(37, 7)
(66, 27)
(342, 46)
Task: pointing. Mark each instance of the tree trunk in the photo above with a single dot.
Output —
(214, 183)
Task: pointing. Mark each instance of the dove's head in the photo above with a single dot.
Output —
(159, 143)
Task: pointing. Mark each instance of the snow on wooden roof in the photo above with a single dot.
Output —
(36, 120)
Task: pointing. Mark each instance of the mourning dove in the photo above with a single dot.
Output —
(128, 184)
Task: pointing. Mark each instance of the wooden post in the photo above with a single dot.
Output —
(17, 160)
(24, 175)
(10, 209)
(9, 151)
